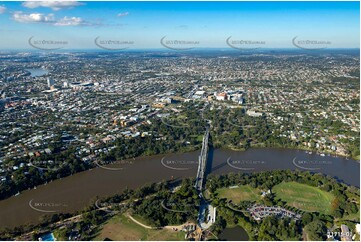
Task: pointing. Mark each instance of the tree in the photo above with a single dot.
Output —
(306, 218)
(316, 230)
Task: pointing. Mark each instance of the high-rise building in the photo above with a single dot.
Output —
(51, 82)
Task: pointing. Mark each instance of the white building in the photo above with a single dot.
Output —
(221, 96)
(253, 113)
(51, 82)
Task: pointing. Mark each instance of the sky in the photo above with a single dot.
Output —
(143, 25)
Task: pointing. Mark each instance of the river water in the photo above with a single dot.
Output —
(234, 234)
(75, 192)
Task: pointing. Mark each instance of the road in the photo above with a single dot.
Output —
(202, 163)
(199, 185)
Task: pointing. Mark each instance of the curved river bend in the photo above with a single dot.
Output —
(75, 192)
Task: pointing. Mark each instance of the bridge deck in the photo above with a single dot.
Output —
(202, 162)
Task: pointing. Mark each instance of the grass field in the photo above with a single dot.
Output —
(198, 137)
(241, 193)
(120, 227)
(304, 197)
(142, 220)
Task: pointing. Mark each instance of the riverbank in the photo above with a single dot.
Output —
(73, 193)
(303, 148)
(301, 181)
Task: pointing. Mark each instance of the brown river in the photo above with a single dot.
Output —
(77, 191)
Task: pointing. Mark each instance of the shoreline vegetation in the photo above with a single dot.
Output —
(172, 138)
(195, 148)
(241, 190)
(301, 148)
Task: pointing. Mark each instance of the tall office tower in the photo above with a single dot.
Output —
(50, 82)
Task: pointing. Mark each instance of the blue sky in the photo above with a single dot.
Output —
(208, 23)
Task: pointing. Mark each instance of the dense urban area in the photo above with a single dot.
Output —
(64, 113)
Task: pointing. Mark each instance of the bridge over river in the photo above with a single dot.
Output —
(202, 162)
(199, 185)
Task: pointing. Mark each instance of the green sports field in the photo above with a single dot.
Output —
(304, 197)
(238, 194)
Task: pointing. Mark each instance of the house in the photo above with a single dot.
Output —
(253, 113)
(108, 139)
(221, 96)
(158, 105)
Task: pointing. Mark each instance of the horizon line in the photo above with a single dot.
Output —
(180, 50)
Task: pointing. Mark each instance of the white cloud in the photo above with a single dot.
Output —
(70, 21)
(33, 17)
(123, 14)
(2, 9)
(49, 19)
(54, 5)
